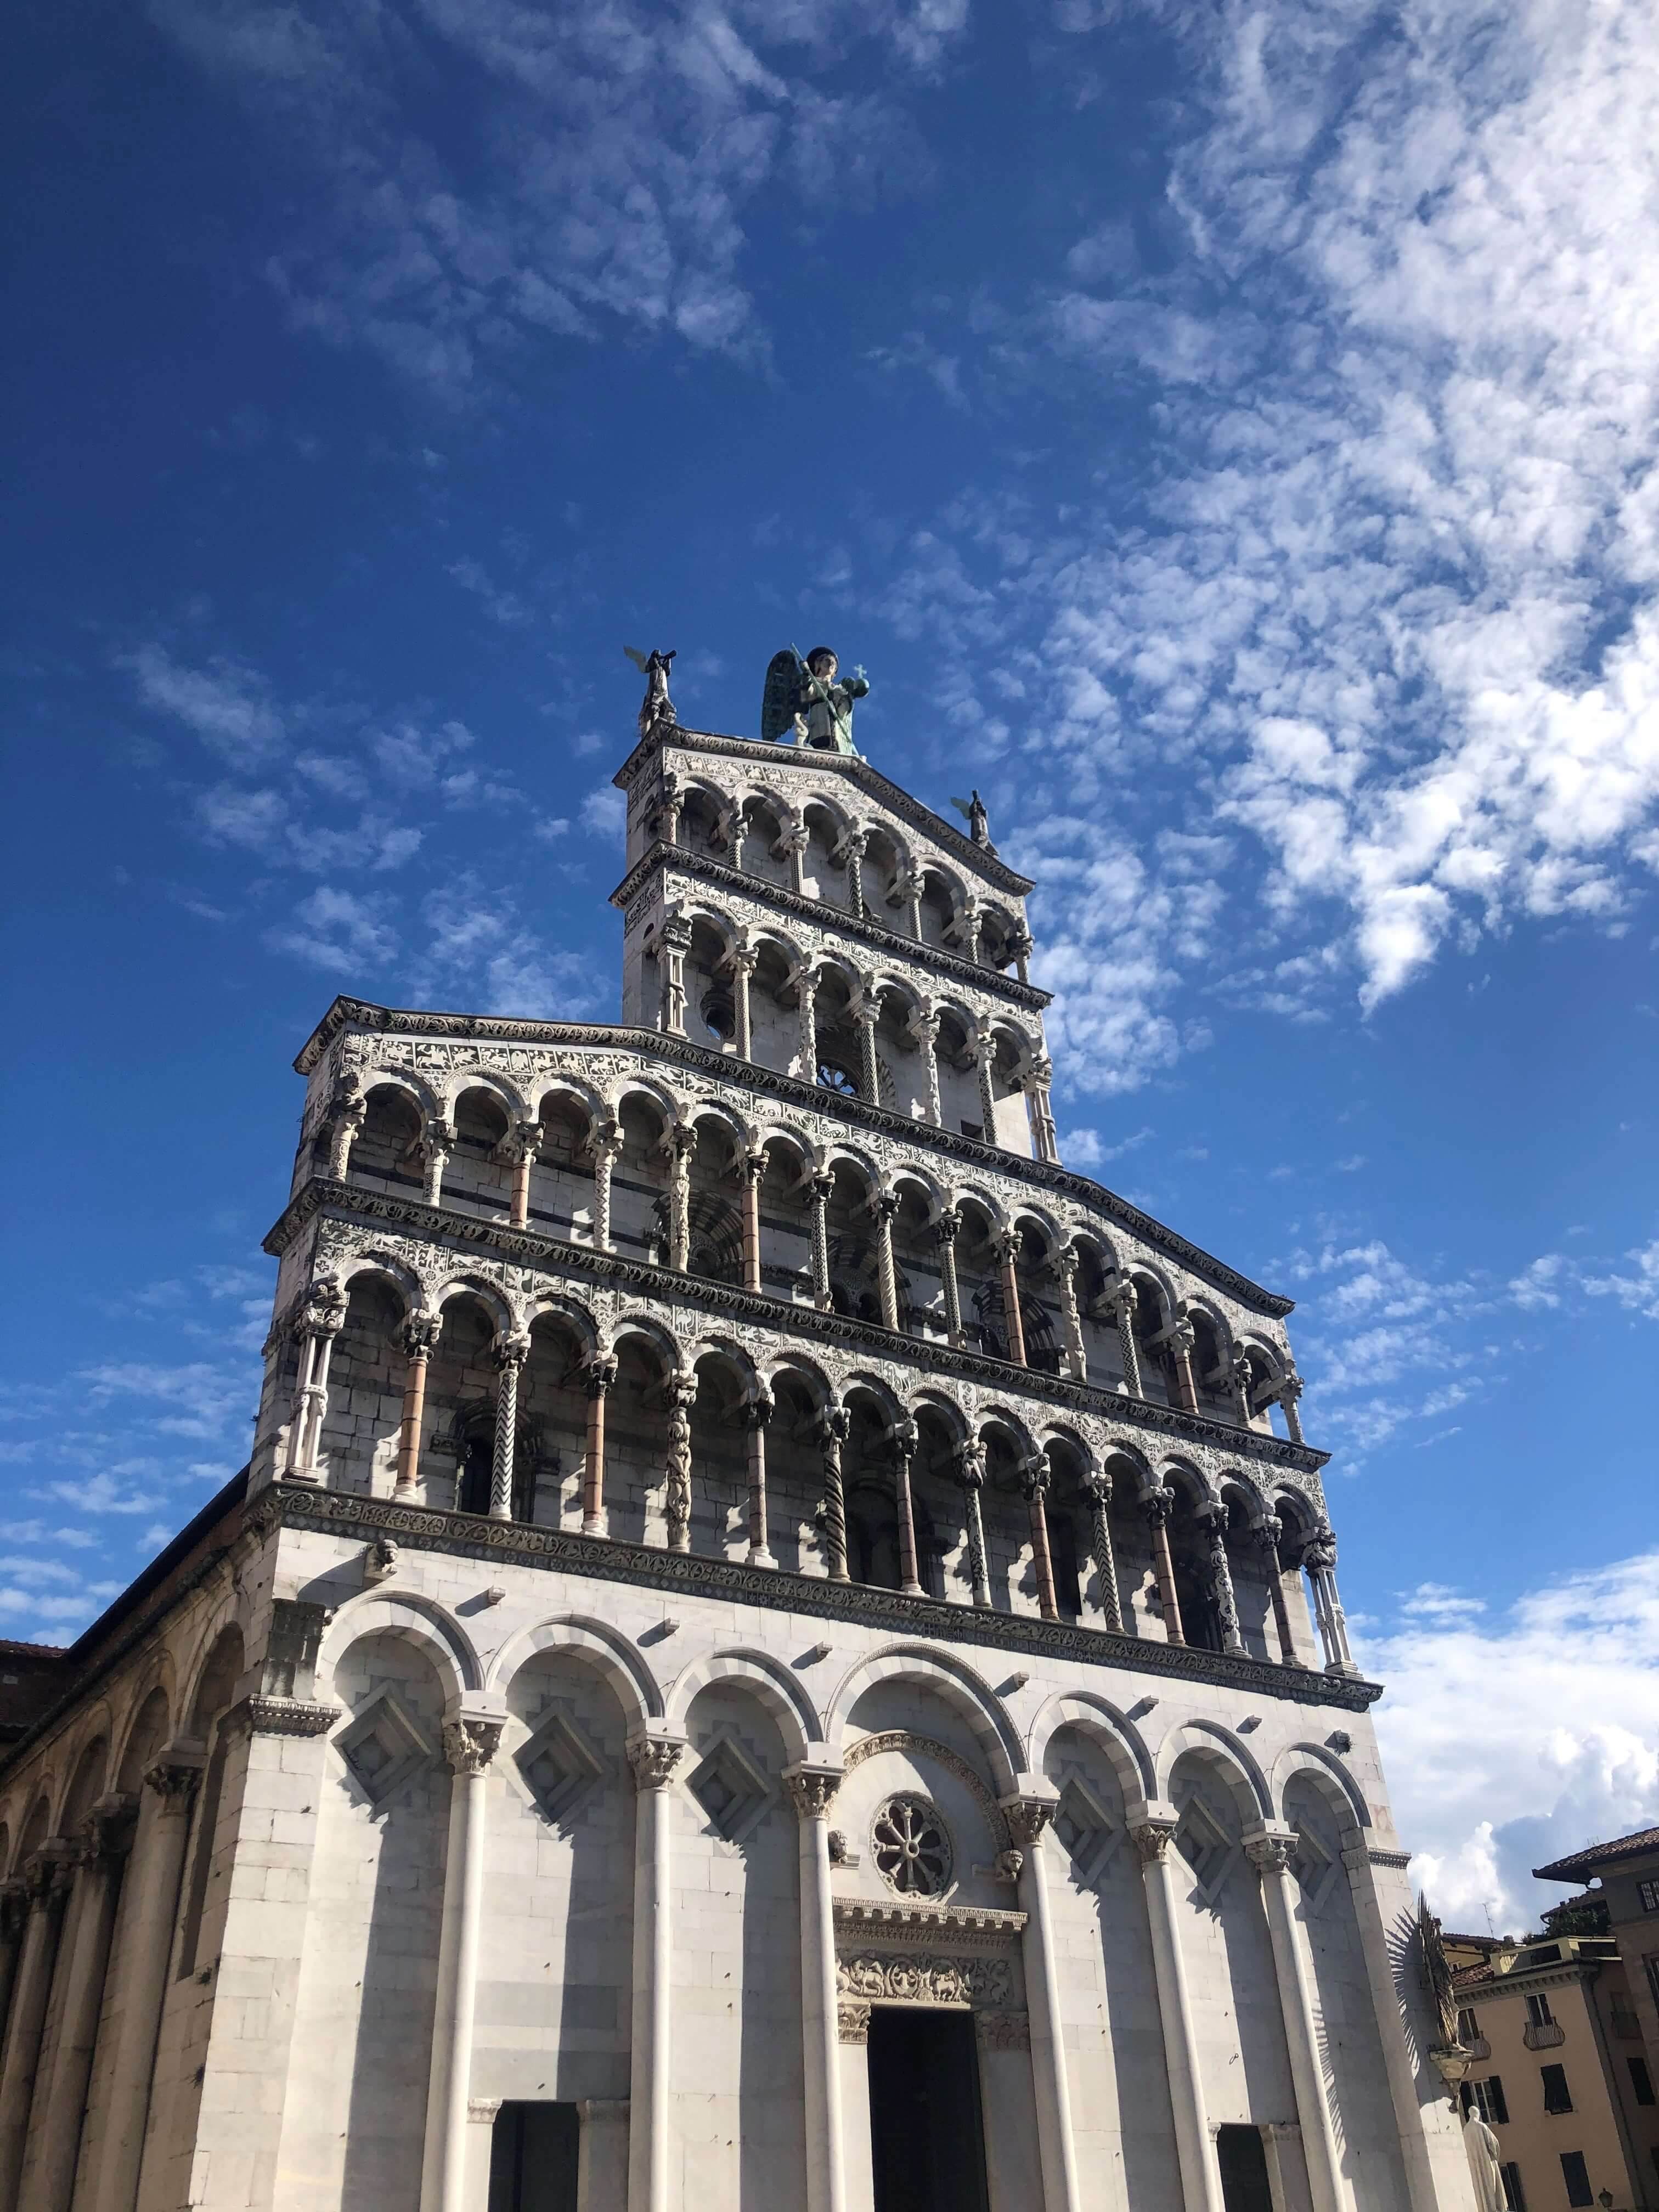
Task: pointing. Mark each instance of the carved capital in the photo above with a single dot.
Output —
(812, 1789)
(510, 1351)
(1003, 2030)
(324, 1309)
(823, 1187)
(1273, 1852)
(1097, 1487)
(418, 1334)
(970, 1464)
(1158, 1505)
(885, 1205)
(835, 1425)
(1036, 1478)
(653, 1759)
(948, 1226)
(1265, 1533)
(758, 1407)
(1151, 1840)
(905, 1437)
(1027, 1818)
(469, 1745)
(174, 1781)
(683, 1392)
(1319, 1553)
(1007, 1242)
(851, 2021)
(754, 1168)
(600, 1373)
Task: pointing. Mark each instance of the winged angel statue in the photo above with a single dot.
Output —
(656, 706)
(804, 698)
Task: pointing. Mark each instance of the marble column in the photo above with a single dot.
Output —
(1271, 1851)
(1290, 1397)
(601, 1373)
(673, 943)
(1036, 1481)
(971, 1473)
(1200, 2176)
(349, 1112)
(1181, 1339)
(653, 1759)
(102, 1853)
(924, 1028)
(470, 1744)
(682, 1143)
(1035, 1083)
(1160, 1503)
(1008, 1250)
(607, 1148)
(320, 1322)
(885, 1207)
(438, 1140)
(866, 1013)
(796, 839)
(1066, 1262)
(509, 1353)
(823, 1190)
(418, 1338)
(1375, 1919)
(1241, 1381)
(905, 1439)
(677, 1490)
(1220, 1579)
(1097, 1488)
(744, 962)
(522, 1148)
(753, 1171)
(833, 1432)
(757, 1412)
(946, 1230)
(813, 1790)
(985, 1054)
(912, 889)
(806, 991)
(1319, 1558)
(1125, 1300)
(1267, 1533)
(153, 1882)
(602, 2154)
(852, 852)
(1028, 1820)
(46, 1879)
(1020, 945)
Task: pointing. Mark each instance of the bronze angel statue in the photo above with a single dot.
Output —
(808, 701)
(657, 705)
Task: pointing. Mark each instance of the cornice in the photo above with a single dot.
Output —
(886, 1920)
(321, 1196)
(845, 923)
(918, 1136)
(610, 1559)
(851, 766)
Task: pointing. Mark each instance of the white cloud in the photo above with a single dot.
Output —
(481, 957)
(604, 812)
(1511, 1739)
(227, 705)
(337, 932)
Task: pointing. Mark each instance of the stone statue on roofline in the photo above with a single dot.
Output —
(657, 709)
(809, 702)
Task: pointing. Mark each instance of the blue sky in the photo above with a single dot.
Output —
(1226, 435)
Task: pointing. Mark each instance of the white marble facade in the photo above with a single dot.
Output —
(668, 1639)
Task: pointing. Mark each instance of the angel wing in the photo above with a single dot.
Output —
(780, 695)
(641, 661)
(963, 808)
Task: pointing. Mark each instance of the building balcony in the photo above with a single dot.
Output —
(1543, 2035)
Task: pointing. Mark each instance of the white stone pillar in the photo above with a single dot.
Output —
(598, 1374)
(852, 851)
(905, 1438)
(946, 1230)
(806, 990)
(673, 943)
(438, 1140)
(823, 1190)
(1097, 1489)
(46, 1877)
(1028, 1818)
(523, 1145)
(752, 1169)
(320, 1322)
(1125, 1299)
(795, 842)
(866, 1013)
(153, 1880)
(607, 1147)
(813, 1790)
(1220, 1579)
(1066, 1263)
(833, 1432)
(347, 1111)
(971, 1473)
(677, 1490)
(509, 1353)
(924, 1028)
(744, 959)
(682, 1143)
(1200, 2176)
(470, 1744)
(653, 1759)
(1270, 1850)
(985, 1052)
(97, 1879)
(1319, 1558)
(1045, 1144)
(885, 1207)
(757, 1412)
(911, 890)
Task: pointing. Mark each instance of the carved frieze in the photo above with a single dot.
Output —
(930, 1978)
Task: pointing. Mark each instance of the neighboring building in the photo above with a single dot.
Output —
(1627, 1875)
(764, 1656)
(1561, 2073)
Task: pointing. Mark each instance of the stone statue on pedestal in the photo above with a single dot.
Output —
(657, 709)
(809, 700)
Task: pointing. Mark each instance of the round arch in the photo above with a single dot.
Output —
(955, 1682)
(407, 1613)
(767, 1680)
(1224, 1751)
(1106, 1725)
(604, 1648)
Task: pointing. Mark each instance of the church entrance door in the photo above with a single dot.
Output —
(927, 2139)
(1244, 2162)
(532, 2159)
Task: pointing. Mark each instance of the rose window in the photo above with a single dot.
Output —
(911, 1847)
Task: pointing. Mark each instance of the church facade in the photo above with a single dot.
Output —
(778, 1650)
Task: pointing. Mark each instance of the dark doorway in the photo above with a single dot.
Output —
(532, 2159)
(926, 2136)
(1244, 2162)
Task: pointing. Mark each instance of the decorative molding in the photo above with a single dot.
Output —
(923, 1977)
(1398, 1860)
(851, 2022)
(470, 1535)
(1003, 2031)
(322, 1198)
(928, 1746)
(817, 912)
(282, 1717)
(362, 1014)
(885, 1921)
